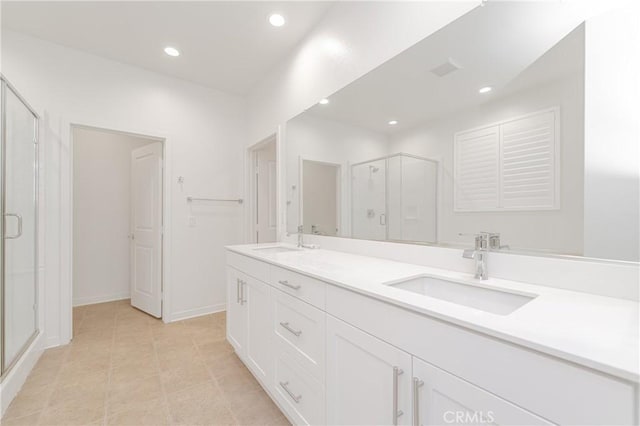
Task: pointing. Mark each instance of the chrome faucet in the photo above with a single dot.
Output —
(300, 236)
(480, 252)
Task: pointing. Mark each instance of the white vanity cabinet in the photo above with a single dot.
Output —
(249, 313)
(236, 311)
(329, 355)
(368, 380)
(441, 398)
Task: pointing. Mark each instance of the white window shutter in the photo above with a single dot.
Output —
(476, 170)
(510, 165)
(528, 162)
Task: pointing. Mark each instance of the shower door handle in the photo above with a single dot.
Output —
(383, 219)
(19, 234)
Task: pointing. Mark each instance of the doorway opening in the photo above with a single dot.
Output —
(264, 191)
(321, 195)
(117, 218)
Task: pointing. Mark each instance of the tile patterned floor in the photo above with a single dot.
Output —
(126, 368)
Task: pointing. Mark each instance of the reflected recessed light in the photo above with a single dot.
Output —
(171, 51)
(485, 89)
(276, 20)
(324, 101)
(393, 122)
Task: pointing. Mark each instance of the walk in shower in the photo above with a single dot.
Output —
(19, 230)
(395, 198)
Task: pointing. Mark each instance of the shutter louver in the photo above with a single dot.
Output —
(508, 166)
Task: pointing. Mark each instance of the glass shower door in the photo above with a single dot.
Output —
(368, 200)
(19, 227)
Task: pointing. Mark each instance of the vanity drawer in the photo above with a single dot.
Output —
(298, 393)
(306, 288)
(252, 267)
(300, 330)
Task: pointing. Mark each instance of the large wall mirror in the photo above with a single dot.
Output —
(479, 127)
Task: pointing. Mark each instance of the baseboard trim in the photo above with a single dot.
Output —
(16, 377)
(82, 301)
(192, 313)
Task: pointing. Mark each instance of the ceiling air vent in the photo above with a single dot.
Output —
(445, 68)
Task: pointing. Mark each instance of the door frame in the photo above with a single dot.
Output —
(166, 218)
(251, 190)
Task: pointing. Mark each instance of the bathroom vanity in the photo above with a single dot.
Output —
(338, 338)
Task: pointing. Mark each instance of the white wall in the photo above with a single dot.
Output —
(319, 139)
(205, 131)
(101, 214)
(351, 40)
(612, 135)
(559, 231)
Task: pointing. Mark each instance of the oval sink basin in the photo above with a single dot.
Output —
(275, 249)
(485, 299)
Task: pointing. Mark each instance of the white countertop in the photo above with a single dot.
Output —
(595, 331)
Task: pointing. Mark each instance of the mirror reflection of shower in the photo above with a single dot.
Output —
(395, 198)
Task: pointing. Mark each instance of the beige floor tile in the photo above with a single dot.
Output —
(72, 414)
(238, 383)
(152, 413)
(94, 379)
(184, 377)
(224, 365)
(134, 371)
(40, 378)
(211, 351)
(126, 368)
(127, 395)
(174, 357)
(29, 420)
(200, 405)
(28, 402)
(85, 395)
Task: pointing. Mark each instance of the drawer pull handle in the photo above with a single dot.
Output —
(286, 284)
(396, 413)
(238, 290)
(297, 333)
(417, 384)
(285, 386)
(243, 300)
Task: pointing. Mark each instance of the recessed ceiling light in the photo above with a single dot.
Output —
(393, 122)
(171, 51)
(324, 101)
(276, 20)
(485, 89)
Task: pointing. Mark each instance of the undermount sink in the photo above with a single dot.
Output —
(485, 299)
(275, 249)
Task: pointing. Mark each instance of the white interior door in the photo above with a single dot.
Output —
(146, 224)
(266, 184)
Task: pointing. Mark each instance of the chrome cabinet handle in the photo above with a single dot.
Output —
(293, 396)
(417, 384)
(396, 413)
(19, 234)
(297, 333)
(286, 284)
(383, 219)
(242, 299)
(237, 290)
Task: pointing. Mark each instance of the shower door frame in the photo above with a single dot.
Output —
(6, 85)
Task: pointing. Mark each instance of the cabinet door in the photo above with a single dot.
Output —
(442, 398)
(236, 311)
(368, 380)
(257, 300)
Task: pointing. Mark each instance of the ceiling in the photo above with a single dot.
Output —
(503, 45)
(227, 45)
